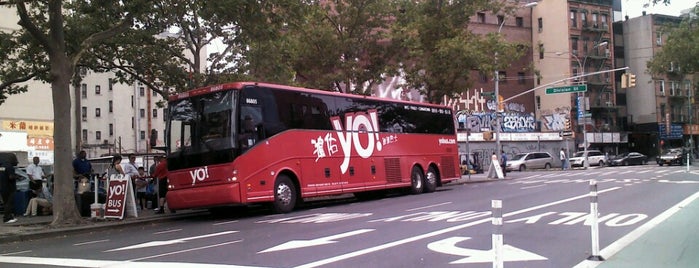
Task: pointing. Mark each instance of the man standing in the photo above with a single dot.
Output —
(161, 175)
(82, 167)
(503, 163)
(130, 167)
(8, 186)
(564, 160)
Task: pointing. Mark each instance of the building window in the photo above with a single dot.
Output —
(573, 19)
(84, 135)
(574, 45)
(481, 17)
(141, 91)
(688, 87)
(133, 123)
(83, 113)
(98, 135)
(541, 51)
(662, 112)
(98, 112)
(111, 130)
(142, 135)
(519, 21)
(111, 106)
(83, 91)
(520, 78)
(603, 20)
(583, 18)
(142, 113)
(541, 24)
(111, 84)
(661, 87)
(501, 19)
(98, 90)
(165, 115)
(483, 77)
(155, 113)
(502, 77)
(658, 38)
(594, 20)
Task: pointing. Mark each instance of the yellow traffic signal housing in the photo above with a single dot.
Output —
(624, 80)
(567, 126)
(488, 135)
(632, 80)
(501, 103)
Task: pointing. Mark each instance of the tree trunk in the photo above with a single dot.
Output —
(65, 211)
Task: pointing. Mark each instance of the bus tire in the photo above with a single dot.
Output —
(430, 183)
(285, 195)
(417, 179)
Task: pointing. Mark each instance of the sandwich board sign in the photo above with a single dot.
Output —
(120, 198)
(495, 170)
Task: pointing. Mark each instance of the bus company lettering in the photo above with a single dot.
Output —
(116, 190)
(199, 174)
(446, 141)
(356, 124)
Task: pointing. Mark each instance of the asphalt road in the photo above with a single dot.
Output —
(545, 215)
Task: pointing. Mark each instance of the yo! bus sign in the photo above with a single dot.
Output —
(116, 197)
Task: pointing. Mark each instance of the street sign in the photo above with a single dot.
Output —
(565, 133)
(488, 94)
(566, 89)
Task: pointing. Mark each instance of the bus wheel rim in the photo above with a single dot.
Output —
(431, 178)
(284, 193)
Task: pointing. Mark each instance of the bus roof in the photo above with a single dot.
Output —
(241, 85)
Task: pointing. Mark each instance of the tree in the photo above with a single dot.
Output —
(51, 43)
(680, 52)
(440, 50)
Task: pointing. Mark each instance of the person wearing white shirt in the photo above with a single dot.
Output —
(34, 171)
(130, 167)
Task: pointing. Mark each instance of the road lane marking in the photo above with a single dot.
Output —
(91, 242)
(293, 244)
(430, 206)
(185, 250)
(440, 232)
(100, 263)
(168, 231)
(510, 253)
(170, 242)
(535, 186)
(225, 222)
(623, 242)
(15, 253)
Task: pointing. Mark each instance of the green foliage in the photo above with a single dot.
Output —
(440, 51)
(680, 50)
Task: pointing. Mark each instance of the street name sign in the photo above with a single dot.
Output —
(566, 89)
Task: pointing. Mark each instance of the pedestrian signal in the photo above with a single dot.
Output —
(624, 80)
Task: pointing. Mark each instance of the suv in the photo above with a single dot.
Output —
(595, 157)
(526, 161)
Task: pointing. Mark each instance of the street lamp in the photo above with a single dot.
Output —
(497, 88)
(586, 162)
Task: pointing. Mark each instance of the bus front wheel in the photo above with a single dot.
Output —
(416, 180)
(430, 180)
(285, 195)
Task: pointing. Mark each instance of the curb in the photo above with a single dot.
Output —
(91, 225)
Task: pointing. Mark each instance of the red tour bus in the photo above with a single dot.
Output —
(244, 143)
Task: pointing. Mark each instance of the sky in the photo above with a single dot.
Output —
(633, 8)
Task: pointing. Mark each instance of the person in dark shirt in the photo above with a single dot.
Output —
(8, 187)
(82, 167)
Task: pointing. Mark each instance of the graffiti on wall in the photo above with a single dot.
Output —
(555, 120)
(509, 121)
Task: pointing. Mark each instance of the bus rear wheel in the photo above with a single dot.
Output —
(416, 180)
(285, 195)
(430, 183)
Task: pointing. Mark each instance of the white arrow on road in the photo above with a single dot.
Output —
(314, 242)
(510, 253)
(170, 242)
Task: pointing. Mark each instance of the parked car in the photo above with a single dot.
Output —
(595, 158)
(630, 158)
(526, 161)
(675, 156)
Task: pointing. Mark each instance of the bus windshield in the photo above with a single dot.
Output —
(202, 123)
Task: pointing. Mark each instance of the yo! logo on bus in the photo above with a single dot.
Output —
(199, 174)
(356, 124)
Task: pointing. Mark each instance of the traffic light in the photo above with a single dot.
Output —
(488, 135)
(567, 126)
(501, 103)
(632, 80)
(624, 80)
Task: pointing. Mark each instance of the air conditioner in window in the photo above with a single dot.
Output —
(659, 42)
(662, 93)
